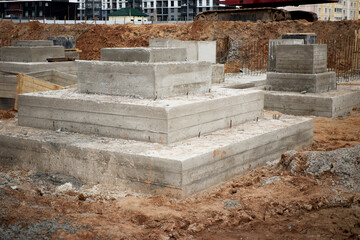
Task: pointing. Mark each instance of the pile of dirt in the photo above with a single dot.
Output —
(37, 31)
(230, 35)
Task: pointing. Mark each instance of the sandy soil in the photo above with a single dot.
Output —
(268, 203)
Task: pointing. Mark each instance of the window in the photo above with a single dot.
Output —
(40, 5)
(172, 3)
(207, 2)
(40, 13)
(200, 2)
(152, 4)
(179, 3)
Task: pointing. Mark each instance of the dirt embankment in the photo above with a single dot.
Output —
(91, 38)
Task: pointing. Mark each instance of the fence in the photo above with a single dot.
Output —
(92, 21)
(252, 58)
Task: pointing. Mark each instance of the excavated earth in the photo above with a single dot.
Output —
(312, 193)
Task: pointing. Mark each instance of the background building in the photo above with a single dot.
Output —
(39, 9)
(128, 15)
(344, 9)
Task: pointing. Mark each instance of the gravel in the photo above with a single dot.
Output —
(344, 163)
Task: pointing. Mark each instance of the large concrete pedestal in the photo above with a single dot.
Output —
(164, 120)
(179, 169)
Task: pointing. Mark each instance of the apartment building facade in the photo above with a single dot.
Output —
(342, 10)
(158, 10)
(39, 9)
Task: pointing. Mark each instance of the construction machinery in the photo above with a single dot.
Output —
(260, 10)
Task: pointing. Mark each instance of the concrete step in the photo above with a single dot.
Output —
(177, 170)
(162, 120)
(142, 54)
(334, 103)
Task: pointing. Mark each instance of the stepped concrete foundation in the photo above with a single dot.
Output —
(176, 170)
(144, 54)
(301, 84)
(169, 132)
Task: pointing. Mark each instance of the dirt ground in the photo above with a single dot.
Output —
(273, 202)
(308, 195)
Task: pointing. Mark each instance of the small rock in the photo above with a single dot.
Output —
(270, 180)
(65, 187)
(14, 187)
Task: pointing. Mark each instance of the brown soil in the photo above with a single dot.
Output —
(331, 134)
(91, 38)
(6, 114)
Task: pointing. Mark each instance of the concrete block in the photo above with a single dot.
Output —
(143, 54)
(20, 67)
(162, 121)
(144, 80)
(196, 50)
(272, 50)
(68, 42)
(329, 104)
(207, 51)
(30, 54)
(8, 84)
(31, 43)
(218, 73)
(56, 77)
(296, 82)
(72, 54)
(309, 38)
(176, 170)
(307, 59)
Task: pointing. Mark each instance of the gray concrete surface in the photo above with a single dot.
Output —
(142, 54)
(72, 54)
(272, 50)
(163, 121)
(218, 73)
(19, 67)
(8, 83)
(196, 50)
(243, 81)
(307, 59)
(144, 80)
(30, 54)
(297, 82)
(56, 77)
(32, 43)
(329, 104)
(176, 170)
